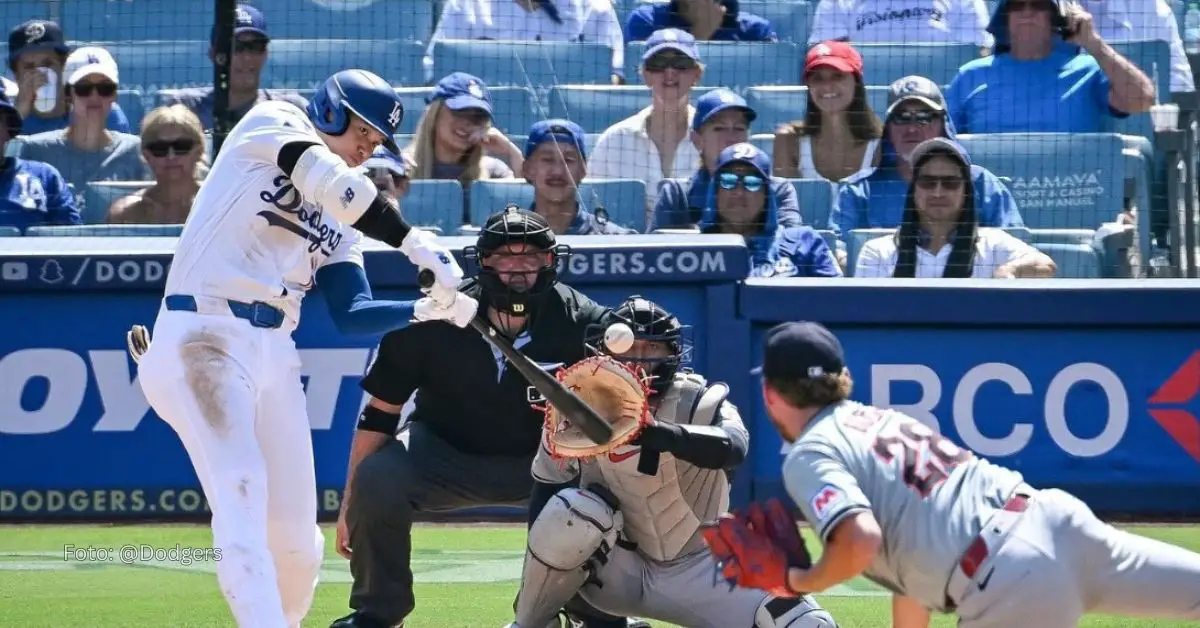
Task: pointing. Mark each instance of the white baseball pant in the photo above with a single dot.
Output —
(233, 394)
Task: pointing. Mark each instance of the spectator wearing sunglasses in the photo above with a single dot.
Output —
(389, 172)
(32, 193)
(86, 150)
(874, 198)
(706, 20)
(653, 143)
(250, 43)
(555, 163)
(37, 52)
(939, 235)
(173, 148)
(722, 119)
(741, 202)
(1038, 82)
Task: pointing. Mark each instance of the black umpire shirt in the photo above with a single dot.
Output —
(467, 393)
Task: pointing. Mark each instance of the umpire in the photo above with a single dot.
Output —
(472, 435)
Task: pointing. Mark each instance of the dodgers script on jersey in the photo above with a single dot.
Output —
(662, 512)
(250, 236)
(930, 497)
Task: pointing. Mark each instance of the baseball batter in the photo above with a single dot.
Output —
(942, 529)
(629, 542)
(284, 207)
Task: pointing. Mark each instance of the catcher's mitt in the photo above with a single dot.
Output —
(137, 339)
(616, 391)
(756, 549)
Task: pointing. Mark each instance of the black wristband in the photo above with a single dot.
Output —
(373, 419)
(382, 222)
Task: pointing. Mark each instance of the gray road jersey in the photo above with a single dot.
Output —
(930, 496)
(662, 512)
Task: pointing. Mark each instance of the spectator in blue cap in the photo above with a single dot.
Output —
(389, 172)
(939, 235)
(250, 43)
(1038, 82)
(37, 54)
(706, 20)
(455, 138)
(555, 164)
(742, 203)
(652, 144)
(722, 119)
(32, 193)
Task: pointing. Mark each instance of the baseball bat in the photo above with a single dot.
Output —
(567, 402)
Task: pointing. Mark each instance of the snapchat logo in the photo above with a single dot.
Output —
(52, 271)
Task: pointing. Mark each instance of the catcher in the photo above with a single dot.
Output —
(619, 524)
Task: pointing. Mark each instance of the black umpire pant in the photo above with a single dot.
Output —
(420, 472)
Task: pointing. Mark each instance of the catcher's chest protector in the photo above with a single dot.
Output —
(663, 512)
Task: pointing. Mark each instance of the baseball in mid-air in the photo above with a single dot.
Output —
(618, 338)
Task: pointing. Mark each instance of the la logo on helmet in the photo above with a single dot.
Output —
(394, 117)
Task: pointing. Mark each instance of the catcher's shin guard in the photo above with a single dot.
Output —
(568, 541)
(786, 612)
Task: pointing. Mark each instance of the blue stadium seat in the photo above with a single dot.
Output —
(514, 108)
(133, 103)
(137, 20)
(1074, 261)
(776, 105)
(623, 199)
(816, 201)
(1059, 180)
(322, 19)
(434, 203)
(153, 65)
(524, 63)
(736, 65)
(9, 232)
(764, 141)
(303, 63)
(792, 19)
(597, 107)
(884, 63)
(166, 231)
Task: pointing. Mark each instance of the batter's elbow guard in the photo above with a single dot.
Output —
(373, 419)
(382, 221)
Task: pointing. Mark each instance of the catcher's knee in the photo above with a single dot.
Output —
(799, 612)
(575, 526)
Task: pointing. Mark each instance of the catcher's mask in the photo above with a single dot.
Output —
(650, 322)
(513, 245)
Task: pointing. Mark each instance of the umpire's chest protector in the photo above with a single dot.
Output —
(663, 512)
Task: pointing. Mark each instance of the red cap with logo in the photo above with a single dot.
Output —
(838, 55)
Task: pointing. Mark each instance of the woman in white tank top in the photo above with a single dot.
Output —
(839, 134)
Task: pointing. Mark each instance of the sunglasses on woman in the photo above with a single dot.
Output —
(660, 63)
(85, 89)
(932, 182)
(919, 118)
(181, 146)
(729, 181)
(1034, 5)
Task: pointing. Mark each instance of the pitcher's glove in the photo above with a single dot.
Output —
(755, 549)
(137, 339)
(616, 391)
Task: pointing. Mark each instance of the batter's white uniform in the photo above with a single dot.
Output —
(232, 390)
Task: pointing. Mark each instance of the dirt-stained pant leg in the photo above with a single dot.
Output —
(199, 375)
(285, 438)
(1126, 574)
(688, 592)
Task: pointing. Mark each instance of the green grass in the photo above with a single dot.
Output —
(466, 579)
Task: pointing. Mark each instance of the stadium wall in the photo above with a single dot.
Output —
(1087, 385)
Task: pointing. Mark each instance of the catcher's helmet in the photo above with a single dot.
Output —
(515, 226)
(363, 94)
(653, 323)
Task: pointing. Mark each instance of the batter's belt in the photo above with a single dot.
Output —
(996, 531)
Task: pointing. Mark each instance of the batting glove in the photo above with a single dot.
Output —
(460, 312)
(424, 251)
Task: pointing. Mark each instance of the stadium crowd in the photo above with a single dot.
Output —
(856, 173)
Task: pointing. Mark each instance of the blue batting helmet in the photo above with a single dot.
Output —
(363, 94)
